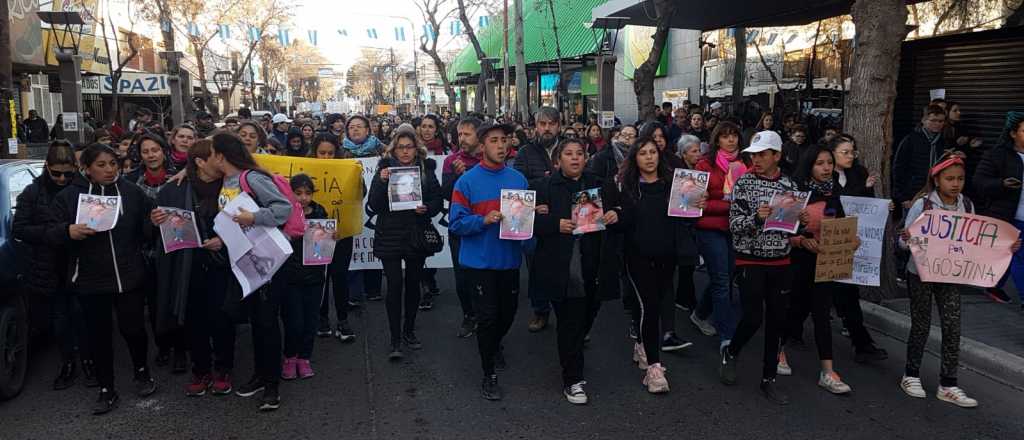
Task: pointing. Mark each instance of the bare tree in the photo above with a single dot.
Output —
(643, 77)
(428, 45)
(133, 41)
(486, 69)
(562, 86)
(739, 75)
(257, 16)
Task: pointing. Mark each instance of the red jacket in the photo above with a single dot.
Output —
(716, 213)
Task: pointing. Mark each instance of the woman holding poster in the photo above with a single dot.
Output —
(203, 276)
(567, 265)
(395, 232)
(943, 190)
(108, 268)
(813, 174)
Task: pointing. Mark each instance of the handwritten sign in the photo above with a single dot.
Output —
(337, 181)
(960, 248)
(872, 214)
(835, 249)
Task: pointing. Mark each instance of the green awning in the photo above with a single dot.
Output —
(574, 36)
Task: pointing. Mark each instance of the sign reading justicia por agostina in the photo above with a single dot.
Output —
(960, 248)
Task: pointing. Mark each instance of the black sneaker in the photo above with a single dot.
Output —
(106, 402)
(500, 364)
(727, 368)
(396, 352)
(271, 399)
(468, 327)
(344, 333)
(490, 388)
(180, 363)
(426, 302)
(772, 392)
(251, 387)
(65, 377)
(998, 295)
(575, 394)
(410, 340)
(671, 342)
(144, 383)
(324, 329)
(89, 372)
(163, 357)
(376, 296)
(869, 354)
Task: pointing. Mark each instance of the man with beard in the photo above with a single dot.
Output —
(534, 161)
(205, 125)
(455, 165)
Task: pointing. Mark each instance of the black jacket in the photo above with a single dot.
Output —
(999, 163)
(295, 272)
(533, 161)
(47, 272)
(37, 129)
(649, 231)
(603, 164)
(107, 262)
(856, 183)
(914, 157)
(392, 231)
(552, 258)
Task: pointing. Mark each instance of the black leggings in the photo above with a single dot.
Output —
(809, 298)
(463, 285)
(338, 271)
(69, 327)
(395, 298)
(651, 280)
(496, 307)
(206, 321)
(764, 292)
(264, 307)
(100, 324)
(575, 319)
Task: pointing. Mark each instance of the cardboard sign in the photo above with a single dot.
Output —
(959, 248)
(836, 245)
(338, 185)
(872, 215)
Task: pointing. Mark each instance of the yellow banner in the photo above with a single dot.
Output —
(339, 186)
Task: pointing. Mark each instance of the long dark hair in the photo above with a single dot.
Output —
(202, 149)
(60, 153)
(723, 128)
(93, 152)
(231, 147)
(135, 151)
(629, 172)
(804, 167)
(327, 137)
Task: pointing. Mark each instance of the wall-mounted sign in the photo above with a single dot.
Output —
(130, 83)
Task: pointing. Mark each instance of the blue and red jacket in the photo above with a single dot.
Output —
(476, 193)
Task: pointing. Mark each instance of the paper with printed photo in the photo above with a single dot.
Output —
(786, 207)
(517, 212)
(587, 212)
(179, 231)
(688, 187)
(404, 188)
(318, 242)
(99, 213)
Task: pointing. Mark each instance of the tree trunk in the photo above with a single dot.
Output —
(739, 71)
(486, 69)
(562, 89)
(522, 84)
(643, 77)
(814, 58)
(881, 27)
(201, 72)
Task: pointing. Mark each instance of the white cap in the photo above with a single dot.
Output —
(279, 118)
(764, 140)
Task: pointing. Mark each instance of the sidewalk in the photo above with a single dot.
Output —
(992, 340)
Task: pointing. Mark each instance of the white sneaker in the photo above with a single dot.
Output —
(655, 380)
(574, 393)
(956, 396)
(640, 356)
(702, 325)
(783, 368)
(833, 383)
(912, 386)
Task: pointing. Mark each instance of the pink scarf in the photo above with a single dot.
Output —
(734, 169)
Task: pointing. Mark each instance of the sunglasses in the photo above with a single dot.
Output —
(66, 174)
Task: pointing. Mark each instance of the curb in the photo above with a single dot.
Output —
(1003, 367)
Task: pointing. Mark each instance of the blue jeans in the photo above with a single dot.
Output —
(300, 313)
(716, 248)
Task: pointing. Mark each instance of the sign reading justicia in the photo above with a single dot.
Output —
(130, 83)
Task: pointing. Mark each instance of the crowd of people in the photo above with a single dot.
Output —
(757, 278)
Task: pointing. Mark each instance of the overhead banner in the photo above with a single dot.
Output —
(338, 188)
(872, 214)
(362, 247)
(960, 248)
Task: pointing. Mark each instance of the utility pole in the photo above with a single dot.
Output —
(522, 93)
(506, 98)
(172, 58)
(8, 126)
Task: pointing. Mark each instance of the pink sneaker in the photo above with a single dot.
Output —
(305, 370)
(288, 368)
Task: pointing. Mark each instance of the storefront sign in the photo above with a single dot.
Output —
(960, 248)
(130, 83)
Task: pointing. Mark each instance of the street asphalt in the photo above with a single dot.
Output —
(434, 393)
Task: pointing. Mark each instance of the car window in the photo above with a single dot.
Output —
(16, 183)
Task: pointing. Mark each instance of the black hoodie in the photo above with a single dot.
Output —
(107, 262)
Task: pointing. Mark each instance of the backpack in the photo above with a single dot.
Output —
(968, 205)
(295, 226)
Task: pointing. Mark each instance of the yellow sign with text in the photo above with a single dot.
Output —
(339, 186)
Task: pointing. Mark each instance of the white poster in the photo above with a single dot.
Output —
(256, 252)
(70, 120)
(872, 214)
(607, 120)
(362, 245)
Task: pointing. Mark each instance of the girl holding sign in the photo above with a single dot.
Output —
(942, 191)
(814, 174)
